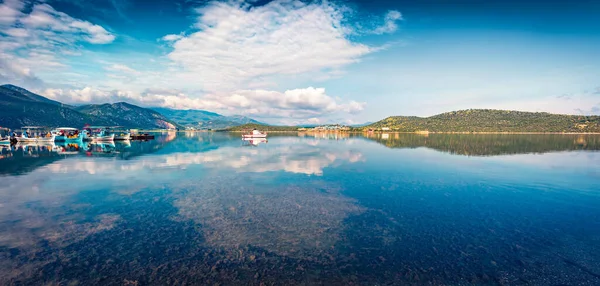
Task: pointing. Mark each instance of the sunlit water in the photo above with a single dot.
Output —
(206, 208)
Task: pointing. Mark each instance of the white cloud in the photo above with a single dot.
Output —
(172, 37)
(122, 69)
(44, 18)
(36, 39)
(90, 95)
(10, 10)
(231, 62)
(16, 32)
(389, 25)
(313, 120)
(236, 43)
(297, 103)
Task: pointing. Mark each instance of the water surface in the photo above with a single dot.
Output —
(206, 208)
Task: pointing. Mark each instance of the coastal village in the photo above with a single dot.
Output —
(331, 127)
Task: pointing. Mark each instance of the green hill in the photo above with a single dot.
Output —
(201, 119)
(19, 107)
(487, 120)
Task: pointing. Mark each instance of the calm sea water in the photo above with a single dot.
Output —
(207, 208)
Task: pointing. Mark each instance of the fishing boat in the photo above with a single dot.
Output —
(67, 134)
(98, 134)
(5, 136)
(35, 134)
(254, 134)
(120, 133)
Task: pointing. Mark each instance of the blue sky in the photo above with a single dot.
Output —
(290, 62)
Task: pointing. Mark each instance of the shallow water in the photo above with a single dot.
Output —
(206, 208)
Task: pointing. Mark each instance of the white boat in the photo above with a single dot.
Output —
(98, 134)
(254, 134)
(120, 132)
(67, 134)
(35, 134)
(122, 136)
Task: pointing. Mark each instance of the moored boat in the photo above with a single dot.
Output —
(35, 134)
(67, 134)
(98, 134)
(254, 134)
(120, 133)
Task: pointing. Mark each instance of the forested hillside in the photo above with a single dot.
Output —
(486, 120)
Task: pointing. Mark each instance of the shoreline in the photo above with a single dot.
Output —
(385, 132)
(424, 133)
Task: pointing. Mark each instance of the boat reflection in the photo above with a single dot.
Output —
(69, 148)
(5, 151)
(325, 135)
(100, 148)
(39, 149)
(254, 141)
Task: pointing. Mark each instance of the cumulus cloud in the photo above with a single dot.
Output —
(297, 103)
(235, 42)
(231, 61)
(389, 25)
(90, 95)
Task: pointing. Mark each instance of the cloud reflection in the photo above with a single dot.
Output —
(54, 184)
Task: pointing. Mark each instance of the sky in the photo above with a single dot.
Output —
(299, 62)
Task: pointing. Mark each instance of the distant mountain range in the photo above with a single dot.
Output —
(362, 124)
(128, 115)
(20, 107)
(201, 119)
